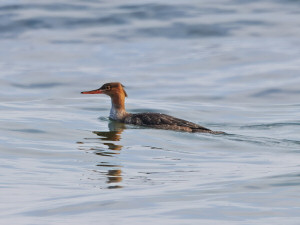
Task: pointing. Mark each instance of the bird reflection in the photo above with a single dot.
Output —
(109, 139)
(114, 176)
(112, 135)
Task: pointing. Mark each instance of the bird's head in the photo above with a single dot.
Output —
(111, 89)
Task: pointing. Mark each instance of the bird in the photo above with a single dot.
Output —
(117, 93)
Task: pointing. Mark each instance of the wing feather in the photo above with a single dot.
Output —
(163, 121)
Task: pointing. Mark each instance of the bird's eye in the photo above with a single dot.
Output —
(107, 88)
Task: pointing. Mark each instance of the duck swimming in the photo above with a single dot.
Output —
(116, 92)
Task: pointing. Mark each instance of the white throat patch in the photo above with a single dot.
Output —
(116, 114)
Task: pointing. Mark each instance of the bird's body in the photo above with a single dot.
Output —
(154, 120)
(163, 121)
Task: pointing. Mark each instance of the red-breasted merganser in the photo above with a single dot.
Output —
(154, 120)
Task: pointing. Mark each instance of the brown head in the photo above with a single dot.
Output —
(117, 94)
(112, 89)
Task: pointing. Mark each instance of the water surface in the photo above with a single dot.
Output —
(230, 66)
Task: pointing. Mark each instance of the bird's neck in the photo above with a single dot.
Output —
(117, 111)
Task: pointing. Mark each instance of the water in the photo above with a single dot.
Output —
(229, 65)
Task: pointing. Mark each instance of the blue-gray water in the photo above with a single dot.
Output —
(229, 65)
